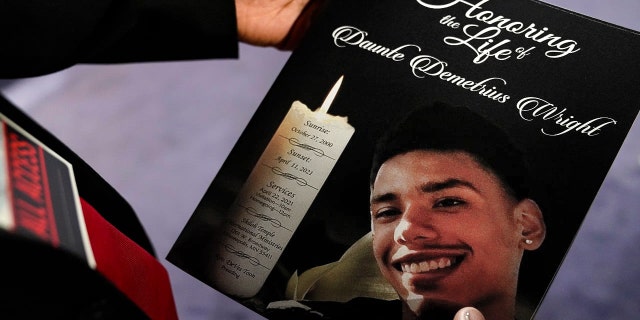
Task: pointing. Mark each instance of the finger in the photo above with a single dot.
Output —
(469, 313)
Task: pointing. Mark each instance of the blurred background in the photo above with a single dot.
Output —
(159, 132)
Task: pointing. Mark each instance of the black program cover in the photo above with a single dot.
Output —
(418, 156)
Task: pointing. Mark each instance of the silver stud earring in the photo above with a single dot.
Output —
(528, 241)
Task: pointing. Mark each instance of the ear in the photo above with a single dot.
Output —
(532, 225)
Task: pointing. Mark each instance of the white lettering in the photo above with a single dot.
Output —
(531, 108)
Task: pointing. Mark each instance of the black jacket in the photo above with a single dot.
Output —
(41, 37)
(48, 36)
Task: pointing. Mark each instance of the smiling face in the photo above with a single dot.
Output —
(446, 233)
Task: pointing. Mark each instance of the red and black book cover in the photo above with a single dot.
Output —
(40, 199)
(56, 240)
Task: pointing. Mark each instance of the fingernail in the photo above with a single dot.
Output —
(469, 314)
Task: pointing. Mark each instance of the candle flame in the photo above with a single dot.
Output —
(324, 108)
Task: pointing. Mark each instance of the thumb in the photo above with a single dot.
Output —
(469, 313)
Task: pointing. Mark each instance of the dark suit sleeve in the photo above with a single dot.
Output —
(41, 37)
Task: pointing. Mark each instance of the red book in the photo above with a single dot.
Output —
(40, 199)
(40, 208)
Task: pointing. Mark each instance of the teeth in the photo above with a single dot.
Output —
(429, 265)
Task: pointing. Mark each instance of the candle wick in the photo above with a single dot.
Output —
(324, 108)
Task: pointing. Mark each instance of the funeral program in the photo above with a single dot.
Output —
(417, 157)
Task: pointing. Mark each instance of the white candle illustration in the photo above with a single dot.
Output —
(276, 196)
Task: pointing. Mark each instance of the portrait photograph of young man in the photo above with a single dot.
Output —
(451, 218)
(451, 213)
